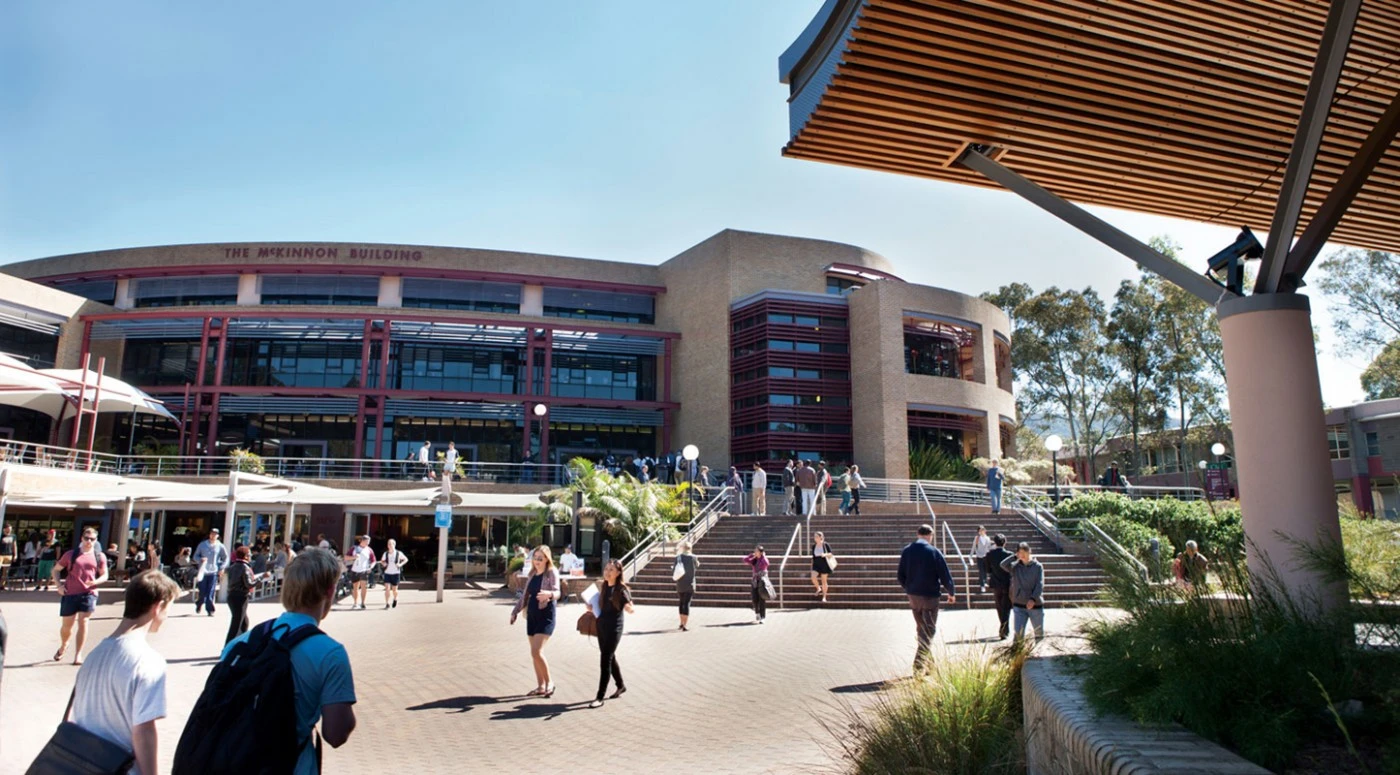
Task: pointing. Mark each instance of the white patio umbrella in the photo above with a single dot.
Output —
(28, 388)
(116, 396)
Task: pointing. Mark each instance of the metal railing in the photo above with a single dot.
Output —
(1030, 508)
(655, 542)
(932, 516)
(1047, 491)
(967, 566)
(46, 456)
(782, 569)
(1103, 543)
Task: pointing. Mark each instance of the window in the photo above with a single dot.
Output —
(934, 356)
(457, 369)
(602, 375)
(292, 363)
(438, 293)
(1338, 443)
(1373, 444)
(337, 290)
(840, 286)
(599, 305)
(783, 399)
(153, 362)
(185, 291)
(36, 347)
(104, 291)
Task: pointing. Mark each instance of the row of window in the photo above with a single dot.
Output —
(363, 291)
(787, 372)
(1339, 443)
(751, 429)
(419, 367)
(934, 356)
(784, 319)
(782, 399)
(784, 345)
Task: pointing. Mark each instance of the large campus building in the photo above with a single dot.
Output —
(751, 346)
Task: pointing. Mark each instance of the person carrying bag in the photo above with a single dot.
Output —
(75, 751)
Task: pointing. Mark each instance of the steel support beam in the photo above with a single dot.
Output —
(1076, 216)
(1339, 199)
(1317, 105)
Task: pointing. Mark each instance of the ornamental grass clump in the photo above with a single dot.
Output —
(1244, 664)
(962, 716)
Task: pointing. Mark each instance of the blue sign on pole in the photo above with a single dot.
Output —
(442, 517)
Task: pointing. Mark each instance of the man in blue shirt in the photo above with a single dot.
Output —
(923, 573)
(994, 480)
(325, 687)
(211, 557)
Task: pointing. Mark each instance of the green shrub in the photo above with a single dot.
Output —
(963, 716)
(1217, 532)
(1137, 539)
(1373, 558)
(1251, 669)
(933, 463)
(627, 510)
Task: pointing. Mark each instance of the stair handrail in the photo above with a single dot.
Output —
(967, 567)
(932, 516)
(1099, 539)
(796, 529)
(1040, 517)
(708, 516)
(641, 553)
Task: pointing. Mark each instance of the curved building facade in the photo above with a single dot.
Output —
(754, 347)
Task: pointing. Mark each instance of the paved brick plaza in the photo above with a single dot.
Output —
(439, 685)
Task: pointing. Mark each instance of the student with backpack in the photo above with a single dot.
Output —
(120, 690)
(393, 562)
(261, 704)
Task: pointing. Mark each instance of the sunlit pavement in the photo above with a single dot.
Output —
(440, 686)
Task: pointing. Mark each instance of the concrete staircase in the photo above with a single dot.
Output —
(867, 547)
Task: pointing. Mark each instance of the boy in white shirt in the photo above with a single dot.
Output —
(360, 567)
(120, 692)
(393, 562)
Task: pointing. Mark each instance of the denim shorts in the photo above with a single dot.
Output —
(391, 579)
(75, 604)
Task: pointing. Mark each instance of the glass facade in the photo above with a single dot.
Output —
(840, 286)
(599, 305)
(440, 293)
(291, 363)
(153, 362)
(456, 369)
(185, 291)
(104, 291)
(601, 375)
(337, 290)
(36, 347)
(939, 350)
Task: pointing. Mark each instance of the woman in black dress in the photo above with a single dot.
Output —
(541, 593)
(614, 598)
(822, 558)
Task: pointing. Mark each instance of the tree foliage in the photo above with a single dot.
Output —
(1365, 285)
(1382, 378)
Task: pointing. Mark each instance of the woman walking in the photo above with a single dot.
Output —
(980, 546)
(684, 574)
(822, 561)
(760, 585)
(614, 598)
(241, 581)
(538, 602)
(48, 556)
(856, 484)
(393, 562)
(843, 485)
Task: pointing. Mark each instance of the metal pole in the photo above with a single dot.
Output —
(1055, 474)
(446, 497)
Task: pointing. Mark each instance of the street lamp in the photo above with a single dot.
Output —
(690, 454)
(1054, 443)
(1217, 449)
(541, 410)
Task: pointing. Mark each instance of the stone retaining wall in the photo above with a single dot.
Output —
(1065, 737)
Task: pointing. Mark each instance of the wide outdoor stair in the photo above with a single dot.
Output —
(867, 547)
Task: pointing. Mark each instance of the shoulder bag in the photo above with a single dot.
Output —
(679, 572)
(75, 751)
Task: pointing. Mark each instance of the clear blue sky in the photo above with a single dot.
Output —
(620, 129)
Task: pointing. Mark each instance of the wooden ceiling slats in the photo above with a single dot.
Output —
(1176, 107)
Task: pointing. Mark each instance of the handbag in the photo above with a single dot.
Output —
(679, 572)
(765, 589)
(75, 751)
(831, 561)
(588, 624)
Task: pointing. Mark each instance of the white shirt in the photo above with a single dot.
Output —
(121, 685)
(569, 561)
(364, 559)
(31, 550)
(423, 453)
(450, 457)
(981, 545)
(760, 480)
(393, 560)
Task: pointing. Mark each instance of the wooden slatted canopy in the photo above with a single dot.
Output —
(1186, 108)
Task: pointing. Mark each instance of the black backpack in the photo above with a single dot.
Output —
(245, 720)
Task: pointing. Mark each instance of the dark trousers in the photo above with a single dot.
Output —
(238, 611)
(981, 571)
(1002, 596)
(205, 595)
(608, 637)
(760, 606)
(926, 619)
(855, 501)
(686, 596)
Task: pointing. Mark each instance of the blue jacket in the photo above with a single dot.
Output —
(922, 569)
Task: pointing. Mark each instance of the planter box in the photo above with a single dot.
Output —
(1064, 735)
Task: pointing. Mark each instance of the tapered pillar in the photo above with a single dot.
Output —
(1280, 439)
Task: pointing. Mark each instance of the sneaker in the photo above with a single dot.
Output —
(396, 602)
(386, 606)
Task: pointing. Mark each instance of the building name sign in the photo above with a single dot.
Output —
(323, 251)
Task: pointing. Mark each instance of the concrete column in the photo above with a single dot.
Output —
(390, 291)
(291, 520)
(123, 298)
(1360, 465)
(248, 294)
(124, 532)
(532, 300)
(1285, 477)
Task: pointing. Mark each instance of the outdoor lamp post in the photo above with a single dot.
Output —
(539, 411)
(1203, 465)
(690, 454)
(1054, 443)
(1217, 449)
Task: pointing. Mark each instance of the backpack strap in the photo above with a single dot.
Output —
(294, 638)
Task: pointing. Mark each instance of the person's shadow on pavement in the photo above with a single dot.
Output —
(462, 704)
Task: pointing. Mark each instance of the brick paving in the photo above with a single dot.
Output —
(439, 685)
